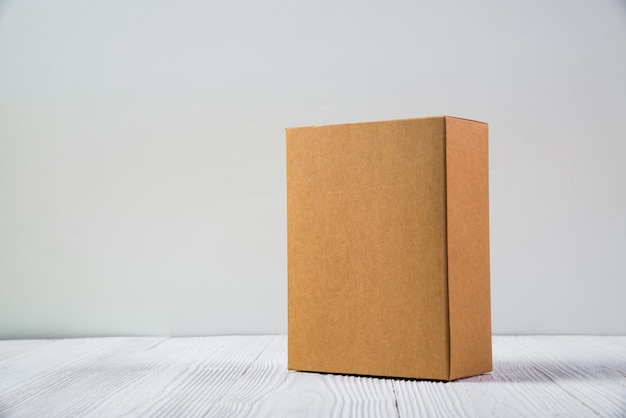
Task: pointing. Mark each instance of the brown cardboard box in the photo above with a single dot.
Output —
(388, 248)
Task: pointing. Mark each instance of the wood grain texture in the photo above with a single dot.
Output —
(247, 377)
(268, 390)
(528, 385)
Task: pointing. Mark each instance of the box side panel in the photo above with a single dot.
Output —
(467, 181)
(366, 249)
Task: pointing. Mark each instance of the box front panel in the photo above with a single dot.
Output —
(366, 249)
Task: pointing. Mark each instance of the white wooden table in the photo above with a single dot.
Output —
(247, 376)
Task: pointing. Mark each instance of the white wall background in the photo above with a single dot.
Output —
(142, 167)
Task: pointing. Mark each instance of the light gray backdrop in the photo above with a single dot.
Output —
(142, 155)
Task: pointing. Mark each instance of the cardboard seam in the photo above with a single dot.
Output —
(447, 301)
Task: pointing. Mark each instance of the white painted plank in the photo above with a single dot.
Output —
(269, 390)
(177, 377)
(247, 376)
(35, 383)
(11, 348)
(516, 387)
(589, 369)
(188, 377)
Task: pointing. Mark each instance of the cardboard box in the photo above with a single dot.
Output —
(388, 248)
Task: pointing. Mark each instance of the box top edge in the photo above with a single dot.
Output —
(381, 121)
(469, 120)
